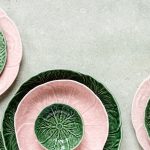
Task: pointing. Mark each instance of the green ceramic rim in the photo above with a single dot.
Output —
(115, 130)
(59, 126)
(2, 147)
(147, 118)
(3, 52)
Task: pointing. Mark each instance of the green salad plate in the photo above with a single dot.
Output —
(63, 123)
(115, 131)
(3, 52)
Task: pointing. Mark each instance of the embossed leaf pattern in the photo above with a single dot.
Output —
(114, 137)
(147, 117)
(2, 52)
(2, 147)
(59, 127)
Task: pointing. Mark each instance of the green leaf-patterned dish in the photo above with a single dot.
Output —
(2, 147)
(3, 52)
(147, 118)
(114, 137)
(59, 127)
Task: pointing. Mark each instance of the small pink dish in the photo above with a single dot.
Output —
(140, 102)
(68, 92)
(14, 52)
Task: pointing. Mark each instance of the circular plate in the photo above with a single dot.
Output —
(3, 52)
(140, 102)
(70, 93)
(14, 52)
(114, 137)
(59, 126)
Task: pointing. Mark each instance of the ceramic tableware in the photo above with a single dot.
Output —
(14, 52)
(140, 114)
(2, 147)
(68, 92)
(147, 117)
(59, 127)
(3, 52)
(114, 137)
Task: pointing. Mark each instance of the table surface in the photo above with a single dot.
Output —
(107, 39)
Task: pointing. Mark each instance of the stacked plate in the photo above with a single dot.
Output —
(61, 110)
(10, 51)
(141, 114)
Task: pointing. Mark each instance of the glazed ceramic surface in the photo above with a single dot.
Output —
(2, 147)
(3, 52)
(140, 114)
(59, 127)
(70, 93)
(14, 52)
(147, 118)
(114, 137)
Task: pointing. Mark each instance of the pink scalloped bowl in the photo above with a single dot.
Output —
(67, 92)
(14, 52)
(140, 102)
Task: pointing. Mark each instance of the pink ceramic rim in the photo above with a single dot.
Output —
(14, 52)
(140, 102)
(53, 82)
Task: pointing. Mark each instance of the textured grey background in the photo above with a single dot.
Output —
(107, 39)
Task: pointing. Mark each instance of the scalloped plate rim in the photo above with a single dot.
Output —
(66, 80)
(76, 73)
(144, 82)
(3, 89)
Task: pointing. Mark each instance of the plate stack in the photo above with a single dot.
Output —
(61, 110)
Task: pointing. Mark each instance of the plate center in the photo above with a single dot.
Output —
(59, 126)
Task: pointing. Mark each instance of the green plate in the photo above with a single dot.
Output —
(114, 137)
(1, 143)
(59, 126)
(3, 52)
(147, 118)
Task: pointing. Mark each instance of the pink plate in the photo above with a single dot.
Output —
(14, 52)
(67, 92)
(140, 102)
